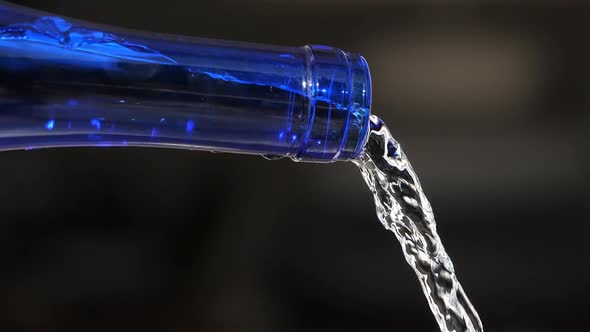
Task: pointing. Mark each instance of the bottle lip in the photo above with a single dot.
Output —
(359, 109)
(366, 102)
(338, 87)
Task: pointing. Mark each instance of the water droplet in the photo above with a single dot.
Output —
(272, 157)
(95, 123)
(49, 125)
(190, 125)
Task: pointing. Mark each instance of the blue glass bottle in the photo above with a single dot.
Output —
(65, 82)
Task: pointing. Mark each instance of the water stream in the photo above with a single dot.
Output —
(403, 209)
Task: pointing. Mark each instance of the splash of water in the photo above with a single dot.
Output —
(403, 209)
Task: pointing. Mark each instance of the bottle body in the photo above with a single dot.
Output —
(70, 83)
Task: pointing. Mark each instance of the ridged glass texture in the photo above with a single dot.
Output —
(65, 82)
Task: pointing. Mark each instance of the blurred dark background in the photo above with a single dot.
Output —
(490, 101)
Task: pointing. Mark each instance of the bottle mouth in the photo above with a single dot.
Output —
(360, 108)
(339, 96)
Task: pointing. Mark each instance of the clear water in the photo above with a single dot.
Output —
(403, 209)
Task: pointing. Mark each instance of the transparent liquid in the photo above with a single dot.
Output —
(403, 209)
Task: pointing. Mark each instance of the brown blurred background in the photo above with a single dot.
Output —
(490, 101)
